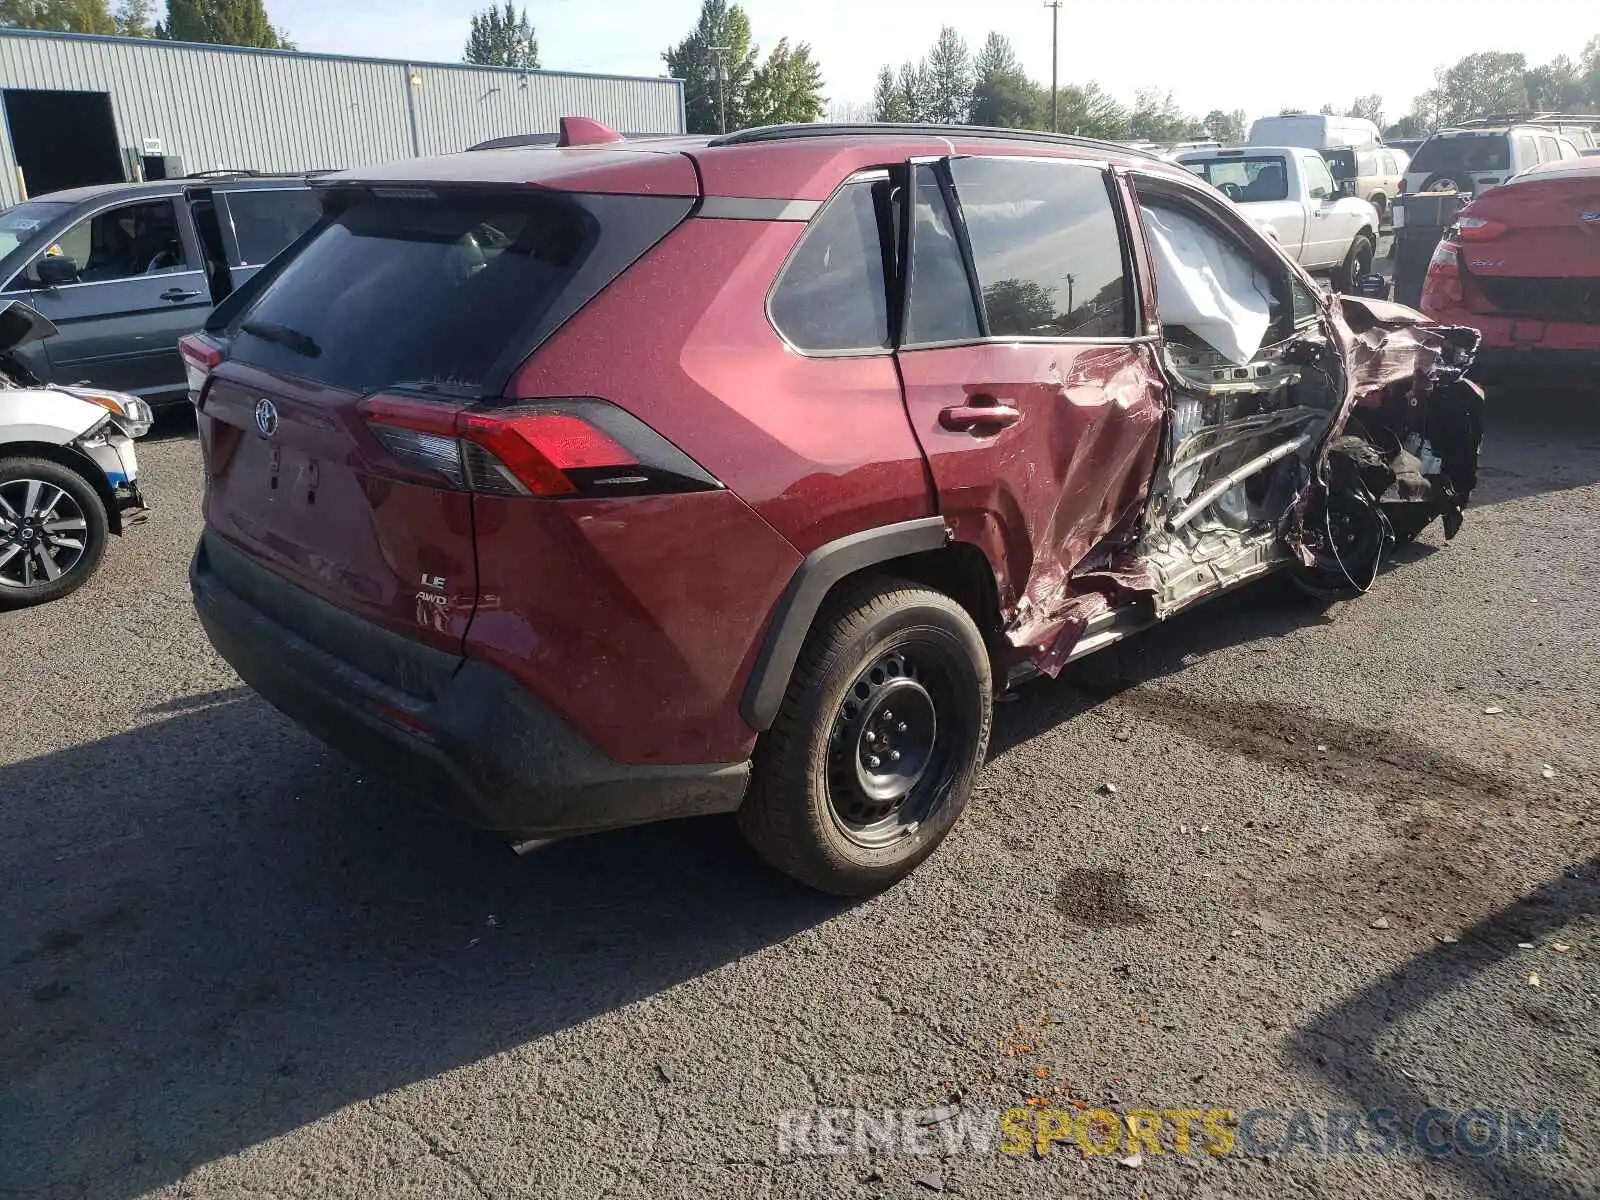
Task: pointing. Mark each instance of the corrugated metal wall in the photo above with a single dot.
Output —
(224, 108)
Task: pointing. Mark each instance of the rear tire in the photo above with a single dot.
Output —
(67, 527)
(1358, 262)
(827, 805)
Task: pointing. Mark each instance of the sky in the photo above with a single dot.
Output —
(1258, 55)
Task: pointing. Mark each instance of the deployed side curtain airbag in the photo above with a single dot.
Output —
(1207, 285)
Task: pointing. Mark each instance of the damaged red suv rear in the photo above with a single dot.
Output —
(606, 483)
(1522, 265)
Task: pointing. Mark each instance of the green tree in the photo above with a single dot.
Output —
(1368, 108)
(502, 37)
(695, 61)
(223, 23)
(1002, 94)
(1558, 85)
(1478, 85)
(1087, 110)
(133, 19)
(1226, 127)
(1156, 117)
(786, 88)
(888, 101)
(948, 79)
(1405, 127)
(915, 97)
(58, 16)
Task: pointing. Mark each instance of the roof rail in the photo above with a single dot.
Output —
(1529, 118)
(817, 129)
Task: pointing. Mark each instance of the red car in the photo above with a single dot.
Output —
(616, 481)
(1522, 265)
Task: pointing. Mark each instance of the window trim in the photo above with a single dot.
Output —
(1130, 272)
(77, 218)
(869, 176)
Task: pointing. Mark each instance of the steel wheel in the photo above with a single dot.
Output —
(44, 533)
(885, 756)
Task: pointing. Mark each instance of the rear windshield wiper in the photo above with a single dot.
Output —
(290, 339)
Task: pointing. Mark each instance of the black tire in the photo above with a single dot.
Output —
(25, 541)
(1448, 182)
(1358, 262)
(1381, 203)
(809, 811)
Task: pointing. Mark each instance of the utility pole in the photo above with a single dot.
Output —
(1055, 92)
(722, 94)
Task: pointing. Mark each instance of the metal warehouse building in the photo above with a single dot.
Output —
(82, 109)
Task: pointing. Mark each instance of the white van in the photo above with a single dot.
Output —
(1315, 132)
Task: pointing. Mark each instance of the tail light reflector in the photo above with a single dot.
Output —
(550, 448)
(1441, 287)
(201, 355)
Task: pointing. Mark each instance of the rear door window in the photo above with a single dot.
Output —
(126, 242)
(1047, 247)
(1319, 181)
(405, 289)
(831, 297)
(265, 221)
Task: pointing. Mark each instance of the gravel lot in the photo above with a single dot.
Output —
(235, 967)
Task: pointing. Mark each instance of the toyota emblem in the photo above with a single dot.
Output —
(266, 417)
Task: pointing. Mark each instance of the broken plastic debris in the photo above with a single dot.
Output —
(937, 1116)
(1525, 946)
(1547, 771)
(1108, 789)
(1322, 748)
(1133, 1162)
(932, 1180)
(1494, 710)
(491, 922)
(473, 943)
(1381, 923)
(1449, 939)
(1205, 829)
(1533, 979)
(1560, 947)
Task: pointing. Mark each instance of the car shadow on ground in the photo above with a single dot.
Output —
(1350, 1046)
(1538, 440)
(218, 932)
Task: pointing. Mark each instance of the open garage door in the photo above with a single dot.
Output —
(63, 139)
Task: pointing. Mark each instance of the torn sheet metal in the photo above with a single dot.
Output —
(1207, 285)
(1390, 444)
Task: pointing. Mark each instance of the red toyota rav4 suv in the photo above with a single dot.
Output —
(604, 483)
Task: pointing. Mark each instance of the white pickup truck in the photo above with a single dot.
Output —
(1289, 192)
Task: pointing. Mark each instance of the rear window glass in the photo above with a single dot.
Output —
(1046, 246)
(264, 222)
(831, 296)
(423, 292)
(1472, 152)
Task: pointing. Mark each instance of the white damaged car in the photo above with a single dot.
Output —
(69, 477)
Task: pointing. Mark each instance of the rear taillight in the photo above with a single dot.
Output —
(1441, 287)
(550, 448)
(202, 355)
(1479, 229)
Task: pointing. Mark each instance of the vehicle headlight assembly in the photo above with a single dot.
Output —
(132, 415)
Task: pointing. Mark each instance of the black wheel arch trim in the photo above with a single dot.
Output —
(812, 581)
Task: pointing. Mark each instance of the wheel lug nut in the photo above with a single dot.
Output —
(872, 761)
(871, 737)
(902, 727)
(887, 715)
(894, 756)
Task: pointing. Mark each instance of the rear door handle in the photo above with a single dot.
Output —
(178, 294)
(984, 415)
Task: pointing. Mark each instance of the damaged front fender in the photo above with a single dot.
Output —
(1402, 452)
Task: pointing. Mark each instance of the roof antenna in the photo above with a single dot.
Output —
(586, 131)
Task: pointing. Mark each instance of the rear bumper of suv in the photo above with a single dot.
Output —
(468, 737)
